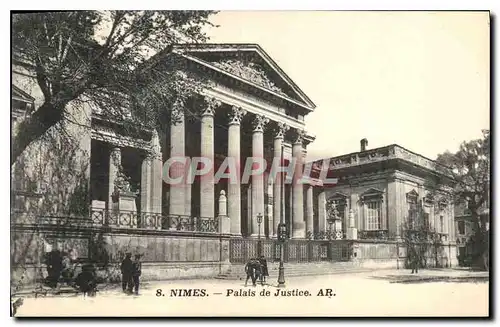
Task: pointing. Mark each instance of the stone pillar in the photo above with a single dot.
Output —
(156, 175)
(259, 123)
(224, 223)
(177, 149)
(352, 231)
(393, 222)
(322, 225)
(298, 224)
(234, 186)
(269, 209)
(309, 211)
(279, 134)
(146, 181)
(115, 160)
(207, 187)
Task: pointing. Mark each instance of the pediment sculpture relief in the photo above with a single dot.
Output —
(250, 71)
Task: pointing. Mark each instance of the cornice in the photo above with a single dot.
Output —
(391, 152)
(253, 107)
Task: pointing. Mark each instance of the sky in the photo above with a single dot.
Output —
(418, 79)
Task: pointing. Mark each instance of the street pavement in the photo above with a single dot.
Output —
(376, 293)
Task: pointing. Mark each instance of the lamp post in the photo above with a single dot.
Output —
(282, 229)
(259, 221)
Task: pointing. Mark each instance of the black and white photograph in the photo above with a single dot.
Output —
(191, 163)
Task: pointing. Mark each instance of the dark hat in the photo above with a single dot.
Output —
(138, 255)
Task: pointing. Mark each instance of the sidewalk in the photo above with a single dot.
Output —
(432, 275)
(390, 275)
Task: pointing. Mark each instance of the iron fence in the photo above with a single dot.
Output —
(243, 249)
(148, 220)
(121, 219)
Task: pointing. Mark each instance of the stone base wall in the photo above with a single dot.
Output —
(165, 254)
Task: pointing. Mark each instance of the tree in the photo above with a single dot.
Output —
(470, 167)
(420, 239)
(101, 58)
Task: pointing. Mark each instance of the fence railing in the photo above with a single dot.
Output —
(373, 234)
(148, 220)
(241, 250)
(122, 219)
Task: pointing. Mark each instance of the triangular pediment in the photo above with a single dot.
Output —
(412, 194)
(250, 63)
(338, 195)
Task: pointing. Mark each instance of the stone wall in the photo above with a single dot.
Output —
(165, 254)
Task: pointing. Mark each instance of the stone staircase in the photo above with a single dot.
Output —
(237, 271)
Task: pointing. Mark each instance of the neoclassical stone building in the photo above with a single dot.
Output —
(380, 190)
(114, 199)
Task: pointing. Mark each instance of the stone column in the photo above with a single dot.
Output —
(309, 211)
(269, 209)
(259, 124)
(322, 225)
(393, 223)
(146, 181)
(156, 174)
(234, 186)
(115, 160)
(207, 187)
(279, 134)
(177, 149)
(298, 224)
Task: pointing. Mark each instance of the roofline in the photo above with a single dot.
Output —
(209, 65)
(383, 147)
(250, 46)
(394, 145)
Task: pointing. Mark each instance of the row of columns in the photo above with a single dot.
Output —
(180, 195)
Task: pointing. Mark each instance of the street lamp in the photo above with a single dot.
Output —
(281, 240)
(259, 221)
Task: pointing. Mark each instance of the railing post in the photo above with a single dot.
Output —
(224, 223)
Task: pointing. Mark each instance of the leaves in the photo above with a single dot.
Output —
(106, 59)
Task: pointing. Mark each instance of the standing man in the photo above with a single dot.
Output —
(126, 269)
(136, 272)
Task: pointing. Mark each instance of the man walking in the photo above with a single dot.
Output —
(136, 272)
(126, 269)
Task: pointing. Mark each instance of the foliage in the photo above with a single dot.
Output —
(103, 59)
(420, 238)
(470, 167)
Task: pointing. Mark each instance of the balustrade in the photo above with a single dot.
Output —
(373, 234)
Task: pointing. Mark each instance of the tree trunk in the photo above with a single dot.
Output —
(34, 127)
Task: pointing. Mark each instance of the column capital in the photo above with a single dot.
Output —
(210, 105)
(236, 115)
(280, 130)
(299, 136)
(259, 123)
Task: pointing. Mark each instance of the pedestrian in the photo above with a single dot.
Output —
(136, 272)
(265, 272)
(414, 261)
(54, 267)
(126, 269)
(86, 281)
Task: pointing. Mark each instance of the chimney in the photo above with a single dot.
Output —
(364, 144)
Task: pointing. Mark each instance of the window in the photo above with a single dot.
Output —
(373, 221)
(441, 224)
(426, 220)
(461, 227)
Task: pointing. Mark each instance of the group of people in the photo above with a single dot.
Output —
(63, 267)
(256, 269)
(131, 272)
